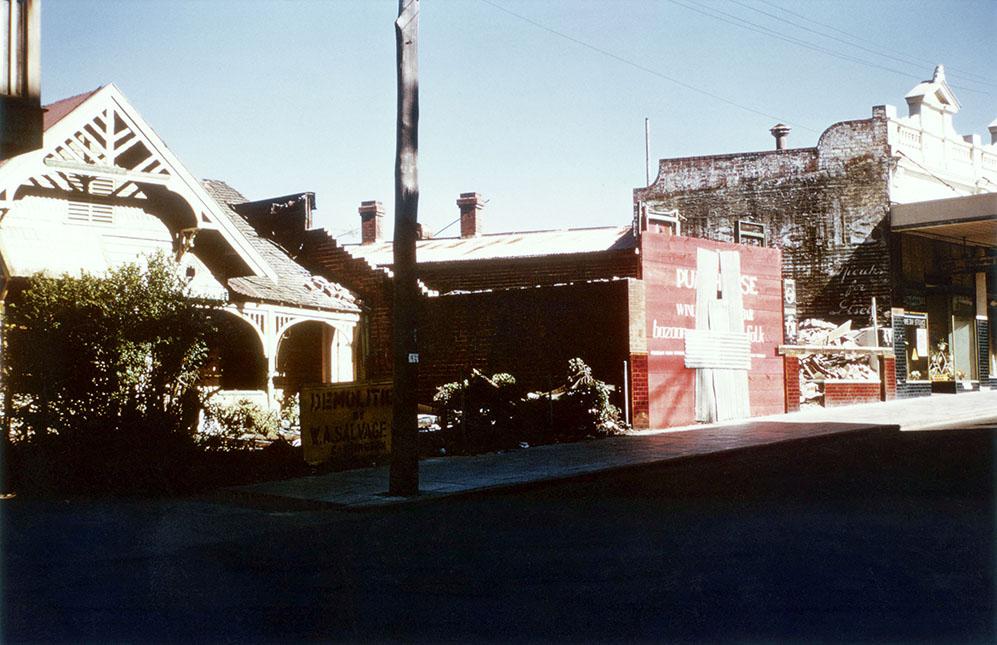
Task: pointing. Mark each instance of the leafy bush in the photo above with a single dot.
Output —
(584, 408)
(243, 424)
(239, 425)
(102, 371)
(478, 413)
(482, 413)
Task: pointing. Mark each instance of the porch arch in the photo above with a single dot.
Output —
(313, 351)
(237, 360)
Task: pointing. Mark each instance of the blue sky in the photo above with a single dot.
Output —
(279, 97)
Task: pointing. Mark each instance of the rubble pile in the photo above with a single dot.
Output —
(818, 367)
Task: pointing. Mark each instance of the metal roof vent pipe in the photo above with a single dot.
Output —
(781, 132)
(470, 205)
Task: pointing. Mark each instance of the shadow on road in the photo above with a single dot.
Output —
(882, 536)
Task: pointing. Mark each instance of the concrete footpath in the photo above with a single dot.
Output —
(445, 476)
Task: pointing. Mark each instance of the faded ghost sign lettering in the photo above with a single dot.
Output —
(857, 285)
(669, 265)
(686, 279)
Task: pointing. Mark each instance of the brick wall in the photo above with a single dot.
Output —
(838, 393)
(826, 208)
(888, 378)
(669, 263)
(322, 255)
(640, 402)
(791, 371)
(529, 333)
(528, 272)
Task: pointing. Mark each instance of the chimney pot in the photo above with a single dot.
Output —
(371, 217)
(781, 132)
(470, 218)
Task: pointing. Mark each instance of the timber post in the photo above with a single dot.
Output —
(403, 478)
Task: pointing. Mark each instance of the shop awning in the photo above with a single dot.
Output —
(967, 220)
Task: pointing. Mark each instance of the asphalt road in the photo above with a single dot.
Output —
(881, 537)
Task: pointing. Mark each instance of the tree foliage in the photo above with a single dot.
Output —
(94, 355)
(481, 413)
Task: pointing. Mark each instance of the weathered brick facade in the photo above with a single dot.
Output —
(530, 333)
(544, 270)
(826, 208)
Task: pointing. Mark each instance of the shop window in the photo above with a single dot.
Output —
(954, 349)
(964, 350)
(917, 345)
(750, 233)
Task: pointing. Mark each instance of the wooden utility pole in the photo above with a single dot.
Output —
(403, 478)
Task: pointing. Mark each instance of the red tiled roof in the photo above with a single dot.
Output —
(54, 112)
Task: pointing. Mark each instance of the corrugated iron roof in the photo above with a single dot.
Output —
(505, 245)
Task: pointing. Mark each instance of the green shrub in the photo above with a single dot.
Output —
(478, 413)
(482, 413)
(583, 408)
(102, 372)
(239, 425)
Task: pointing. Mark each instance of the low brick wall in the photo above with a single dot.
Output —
(838, 393)
(842, 392)
(791, 375)
(531, 334)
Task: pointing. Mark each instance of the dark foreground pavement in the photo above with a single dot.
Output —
(881, 536)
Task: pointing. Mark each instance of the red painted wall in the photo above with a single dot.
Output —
(668, 264)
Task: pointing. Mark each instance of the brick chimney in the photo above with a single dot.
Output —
(470, 205)
(781, 132)
(371, 216)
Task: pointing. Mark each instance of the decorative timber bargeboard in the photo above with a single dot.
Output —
(104, 189)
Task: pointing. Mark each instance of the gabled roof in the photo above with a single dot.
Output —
(495, 246)
(72, 121)
(70, 145)
(295, 285)
(54, 112)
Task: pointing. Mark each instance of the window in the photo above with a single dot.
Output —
(664, 221)
(750, 233)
